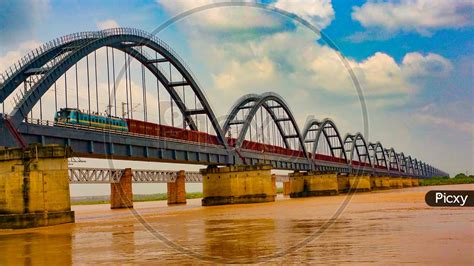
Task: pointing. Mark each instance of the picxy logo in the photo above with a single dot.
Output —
(450, 198)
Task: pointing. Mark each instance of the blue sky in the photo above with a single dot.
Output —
(413, 58)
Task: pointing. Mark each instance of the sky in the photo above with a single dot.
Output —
(413, 59)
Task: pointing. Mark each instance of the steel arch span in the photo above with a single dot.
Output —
(393, 162)
(276, 140)
(355, 144)
(332, 138)
(279, 113)
(377, 155)
(69, 53)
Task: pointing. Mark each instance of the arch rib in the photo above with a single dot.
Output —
(114, 38)
(321, 129)
(351, 140)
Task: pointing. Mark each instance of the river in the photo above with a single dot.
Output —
(393, 227)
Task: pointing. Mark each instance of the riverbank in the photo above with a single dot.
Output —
(439, 181)
(92, 200)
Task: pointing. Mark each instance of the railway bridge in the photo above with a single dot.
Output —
(125, 94)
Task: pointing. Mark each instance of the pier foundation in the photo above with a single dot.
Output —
(354, 183)
(34, 187)
(177, 189)
(237, 184)
(360, 183)
(407, 182)
(415, 182)
(380, 182)
(121, 194)
(307, 184)
(396, 182)
(286, 188)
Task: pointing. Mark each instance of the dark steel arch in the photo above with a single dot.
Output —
(393, 161)
(402, 162)
(422, 168)
(377, 154)
(244, 103)
(238, 106)
(321, 127)
(38, 58)
(409, 163)
(124, 39)
(351, 140)
(416, 170)
(261, 102)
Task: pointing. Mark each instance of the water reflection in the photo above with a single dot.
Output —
(376, 228)
(35, 248)
(240, 239)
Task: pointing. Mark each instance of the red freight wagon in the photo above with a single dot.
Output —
(141, 127)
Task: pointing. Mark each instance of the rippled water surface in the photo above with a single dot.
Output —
(378, 227)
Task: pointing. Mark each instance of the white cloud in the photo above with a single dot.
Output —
(293, 58)
(416, 64)
(319, 12)
(445, 123)
(11, 57)
(422, 16)
(107, 24)
(222, 18)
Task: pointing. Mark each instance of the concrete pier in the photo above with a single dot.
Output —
(396, 182)
(121, 194)
(274, 185)
(34, 187)
(237, 184)
(407, 182)
(307, 184)
(379, 182)
(415, 182)
(177, 190)
(354, 183)
(286, 188)
(360, 183)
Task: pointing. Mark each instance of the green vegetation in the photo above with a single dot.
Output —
(91, 200)
(136, 198)
(444, 180)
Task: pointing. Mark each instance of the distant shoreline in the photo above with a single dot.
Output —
(105, 199)
(438, 181)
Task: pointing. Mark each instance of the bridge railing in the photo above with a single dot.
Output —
(83, 175)
(107, 130)
(33, 54)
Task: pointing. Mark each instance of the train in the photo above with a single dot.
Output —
(77, 117)
(74, 116)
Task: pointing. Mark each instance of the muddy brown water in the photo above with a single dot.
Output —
(391, 227)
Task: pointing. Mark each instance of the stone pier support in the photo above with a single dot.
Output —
(34, 187)
(407, 182)
(237, 184)
(360, 183)
(177, 190)
(380, 182)
(121, 195)
(396, 182)
(274, 184)
(286, 188)
(415, 182)
(356, 183)
(307, 184)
